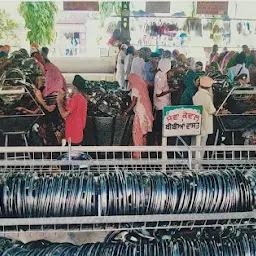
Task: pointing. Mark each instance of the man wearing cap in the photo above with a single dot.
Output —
(75, 112)
(151, 68)
(203, 97)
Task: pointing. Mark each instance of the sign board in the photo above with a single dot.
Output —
(182, 121)
(212, 7)
(80, 6)
(158, 7)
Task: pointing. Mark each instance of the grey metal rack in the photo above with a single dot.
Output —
(110, 159)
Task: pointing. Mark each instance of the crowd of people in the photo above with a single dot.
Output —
(147, 76)
(147, 73)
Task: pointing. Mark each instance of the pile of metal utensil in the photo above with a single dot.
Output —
(28, 195)
(158, 193)
(105, 98)
(124, 193)
(231, 245)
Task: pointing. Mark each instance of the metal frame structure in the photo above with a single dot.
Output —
(131, 222)
(162, 158)
(111, 159)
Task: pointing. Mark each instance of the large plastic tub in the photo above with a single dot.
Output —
(108, 131)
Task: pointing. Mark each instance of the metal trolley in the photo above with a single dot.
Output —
(12, 91)
(238, 102)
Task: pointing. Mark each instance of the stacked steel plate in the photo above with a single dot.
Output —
(105, 98)
(63, 195)
(124, 193)
(157, 193)
(243, 244)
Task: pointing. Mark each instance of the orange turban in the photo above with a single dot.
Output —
(206, 81)
(6, 48)
(35, 45)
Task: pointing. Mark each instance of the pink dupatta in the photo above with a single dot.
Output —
(136, 82)
(143, 120)
(54, 80)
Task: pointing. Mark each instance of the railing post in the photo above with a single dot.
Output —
(164, 154)
(190, 158)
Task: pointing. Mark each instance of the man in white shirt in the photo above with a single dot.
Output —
(203, 98)
(162, 95)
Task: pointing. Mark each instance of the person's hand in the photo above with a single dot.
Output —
(38, 93)
(243, 82)
(124, 115)
(20, 108)
(225, 72)
(223, 111)
(60, 97)
(173, 90)
(39, 82)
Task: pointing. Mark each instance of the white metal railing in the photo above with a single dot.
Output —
(164, 158)
(128, 222)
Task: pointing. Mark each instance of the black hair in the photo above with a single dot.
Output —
(199, 63)
(45, 49)
(79, 83)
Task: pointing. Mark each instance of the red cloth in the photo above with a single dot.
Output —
(76, 120)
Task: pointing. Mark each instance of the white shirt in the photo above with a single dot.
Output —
(127, 65)
(204, 98)
(138, 107)
(138, 67)
(161, 85)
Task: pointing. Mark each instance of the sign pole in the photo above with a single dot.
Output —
(164, 153)
(181, 121)
(198, 153)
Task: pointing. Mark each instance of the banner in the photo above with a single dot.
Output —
(80, 6)
(182, 120)
(212, 8)
(158, 7)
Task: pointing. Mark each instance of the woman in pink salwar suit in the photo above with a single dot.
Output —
(142, 107)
